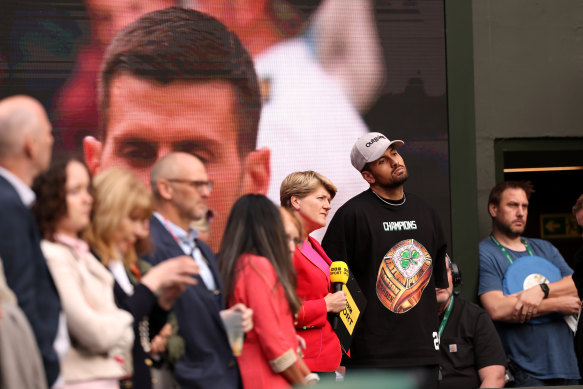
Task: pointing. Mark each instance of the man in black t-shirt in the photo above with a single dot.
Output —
(471, 353)
(394, 246)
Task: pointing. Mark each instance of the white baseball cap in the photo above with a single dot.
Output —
(369, 148)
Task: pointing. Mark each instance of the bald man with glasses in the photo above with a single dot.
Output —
(180, 186)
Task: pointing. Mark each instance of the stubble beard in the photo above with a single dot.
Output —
(506, 229)
(197, 212)
(396, 182)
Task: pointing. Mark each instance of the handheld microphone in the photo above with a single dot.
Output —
(338, 277)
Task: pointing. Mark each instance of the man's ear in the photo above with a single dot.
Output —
(164, 189)
(368, 177)
(92, 153)
(257, 171)
(30, 146)
(493, 210)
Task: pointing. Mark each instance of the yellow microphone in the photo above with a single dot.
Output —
(338, 277)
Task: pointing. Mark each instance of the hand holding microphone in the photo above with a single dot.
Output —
(336, 302)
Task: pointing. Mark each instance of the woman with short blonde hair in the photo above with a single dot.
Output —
(307, 196)
(300, 184)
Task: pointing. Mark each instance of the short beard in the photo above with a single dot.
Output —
(395, 183)
(507, 229)
(401, 180)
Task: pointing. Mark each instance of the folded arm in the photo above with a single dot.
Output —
(529, 303)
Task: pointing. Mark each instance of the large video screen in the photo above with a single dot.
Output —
(329, 71)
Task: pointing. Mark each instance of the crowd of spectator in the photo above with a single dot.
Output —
(107, 281)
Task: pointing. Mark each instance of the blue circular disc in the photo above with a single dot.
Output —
(526, 272)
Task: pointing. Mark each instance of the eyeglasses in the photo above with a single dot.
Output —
(198, 185)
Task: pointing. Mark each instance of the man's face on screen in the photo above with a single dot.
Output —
(147, 120)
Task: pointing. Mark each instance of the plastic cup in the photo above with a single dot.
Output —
(233, 321)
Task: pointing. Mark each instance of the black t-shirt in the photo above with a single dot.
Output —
(469, 343)
(397, 255)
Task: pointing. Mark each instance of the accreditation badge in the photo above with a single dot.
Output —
(403, 275)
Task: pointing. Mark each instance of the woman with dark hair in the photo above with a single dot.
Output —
(255, 265)
(101, 333)
(307, 195)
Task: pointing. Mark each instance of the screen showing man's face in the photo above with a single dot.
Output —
(317, 100)
(148, 120)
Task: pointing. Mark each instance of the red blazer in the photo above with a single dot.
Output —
(323, 352)
(271, 346)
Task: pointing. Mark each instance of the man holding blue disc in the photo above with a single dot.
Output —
(526, 287)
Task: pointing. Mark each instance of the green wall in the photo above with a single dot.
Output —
(462, 141)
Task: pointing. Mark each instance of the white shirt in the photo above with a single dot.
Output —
(307, 122)
(26, 194)
(121, 277)
(186, 242)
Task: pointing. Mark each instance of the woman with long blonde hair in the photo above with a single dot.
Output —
(118, 234)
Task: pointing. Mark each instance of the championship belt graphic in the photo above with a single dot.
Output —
(403, 275)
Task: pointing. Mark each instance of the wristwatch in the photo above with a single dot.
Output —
(545, 289)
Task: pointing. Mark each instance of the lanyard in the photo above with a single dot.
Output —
(179, 242)
(205, 271)
(169, 229)
(506, 253)
(445, 316)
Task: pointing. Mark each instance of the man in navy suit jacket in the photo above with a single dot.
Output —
(25, 151)
(180, 186)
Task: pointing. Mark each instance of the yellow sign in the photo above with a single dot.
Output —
(351, 313)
